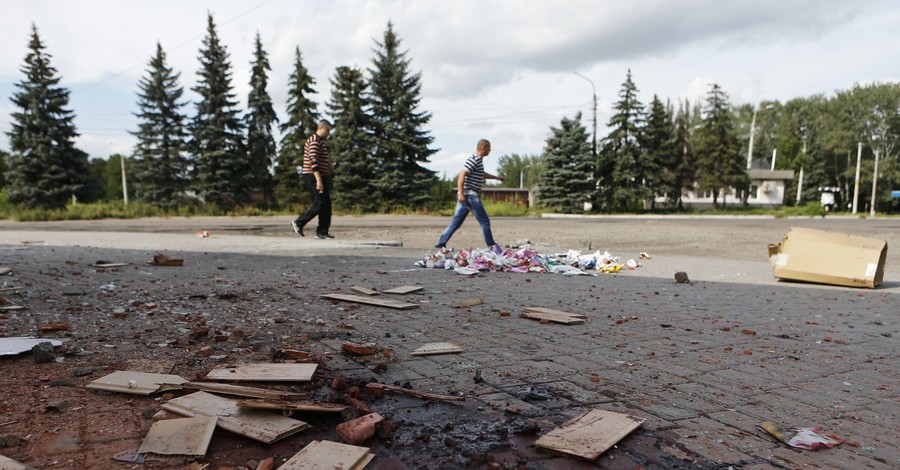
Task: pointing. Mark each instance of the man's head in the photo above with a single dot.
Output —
(324, 128)
(483, 148)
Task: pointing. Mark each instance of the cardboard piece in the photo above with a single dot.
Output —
(590, 434)
(817, 256)
(264, 372)
(7, 463)
(556, 316)
(403, 290)
(364, 290)
(468, 302)
(260, 425)
(329, 455)
(20, 344)
(137, 383)
(436, 348)
(370, 301)
(182, 436)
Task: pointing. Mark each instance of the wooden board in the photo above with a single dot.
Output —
(370, 301)
(436, 348)
(555, 316)
(260, 425)
(364, 290)
(403, 290)
(288, 406)
(468, 302)
(181, 436)
(322, 455)
(590, 434)
(238, 390)
(264, 372)
(138, 383)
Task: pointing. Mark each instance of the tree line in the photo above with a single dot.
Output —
(218, 156)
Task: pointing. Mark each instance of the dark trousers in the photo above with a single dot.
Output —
(321, 205)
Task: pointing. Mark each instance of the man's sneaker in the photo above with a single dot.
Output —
(297, 228)
(324, 236)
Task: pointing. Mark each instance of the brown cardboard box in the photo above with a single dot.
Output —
(829, 258)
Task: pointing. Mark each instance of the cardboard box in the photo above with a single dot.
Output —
(829, 258)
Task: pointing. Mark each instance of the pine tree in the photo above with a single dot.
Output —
(160, 163)
(658, 160)
(620, 154)
(567, 181)
(259, 119)
(720, 165)
(351, 142)
(222, 171)
(401, 144)
(684, 172)
(46, 169)
(302, 119)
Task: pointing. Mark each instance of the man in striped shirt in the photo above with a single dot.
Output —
(316, 174)
(468, 186)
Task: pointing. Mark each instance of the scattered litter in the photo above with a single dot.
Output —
(468, 302)
(556, 316)
(369, 301)
(436, 348)
(329, 455)
(644, 255)
(681, 277)
(802, 438)
(590, 434)
(471, 261)
(181, 436)
(364, 290)
(203, 234)
(380, 388)
(260, 425)
(160, 259)
(264, 372)
(137, 383)
(404, 290)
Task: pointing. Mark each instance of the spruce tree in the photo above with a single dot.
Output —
(659, 158)
(259, 119)
(302, 119)
(567, 181)
(620, 154)
(401, 143)
(351, 142)
(720, 165)
(46, 170)
(160, 161)
(222, 171)
(685, 174)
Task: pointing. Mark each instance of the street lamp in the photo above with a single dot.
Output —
(594, 109)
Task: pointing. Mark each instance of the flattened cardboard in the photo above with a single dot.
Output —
(364, 290)
(370, 301)
(403, 290)
(321, 455)
(556, 316)
(264, 372)
(20, 344)
(436, 348)
(181, 436)
(260, 425)
(590, 434)
(822, 257)
(137, 383)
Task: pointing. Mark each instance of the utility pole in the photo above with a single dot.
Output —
(752, 134)
(594, 109)
(856, 184)
(124, 180)
(874, 185)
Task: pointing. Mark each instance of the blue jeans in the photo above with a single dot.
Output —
(472, 204)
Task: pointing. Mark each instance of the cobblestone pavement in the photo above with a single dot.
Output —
(704, 363)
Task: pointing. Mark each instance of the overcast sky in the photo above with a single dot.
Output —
(501, 70)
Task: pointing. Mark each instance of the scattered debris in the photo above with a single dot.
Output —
(364, 290)
(681, 277)
(436, 348)
(260, 425)
(20, 344)
(644, 255)
(137, 383)
(403, 290)
(181, 436)
(108, 264)
(357, 349)
(264, 372)
(470, 261)
(160, 259)
(53, 326)
(356, 431)
(590, 434)
(802, 438)
(369, 301)
(555, 316)
(203, 234)
(380, 388)
(330, 455)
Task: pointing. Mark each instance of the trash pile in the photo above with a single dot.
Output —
(474, 260)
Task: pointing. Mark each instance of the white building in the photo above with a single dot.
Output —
(767, 189)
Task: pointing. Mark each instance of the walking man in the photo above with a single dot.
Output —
(468, 186)
(316, 174)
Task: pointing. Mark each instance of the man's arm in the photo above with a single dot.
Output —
(460, 183)
(489, 176)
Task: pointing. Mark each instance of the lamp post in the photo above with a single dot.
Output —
(594, 109)
(856, 183)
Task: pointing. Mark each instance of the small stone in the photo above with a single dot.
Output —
(206, 351)
(749, 332)
(748, 352)
(681, 277)
(43, 352)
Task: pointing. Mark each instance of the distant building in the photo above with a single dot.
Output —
(767, 189)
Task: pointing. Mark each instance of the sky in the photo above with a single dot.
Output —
(504, 70)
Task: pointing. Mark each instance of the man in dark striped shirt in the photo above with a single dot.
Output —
(468, 186)
(316, 174)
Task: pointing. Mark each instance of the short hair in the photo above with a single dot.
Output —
(482, 144)
(325, 123)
